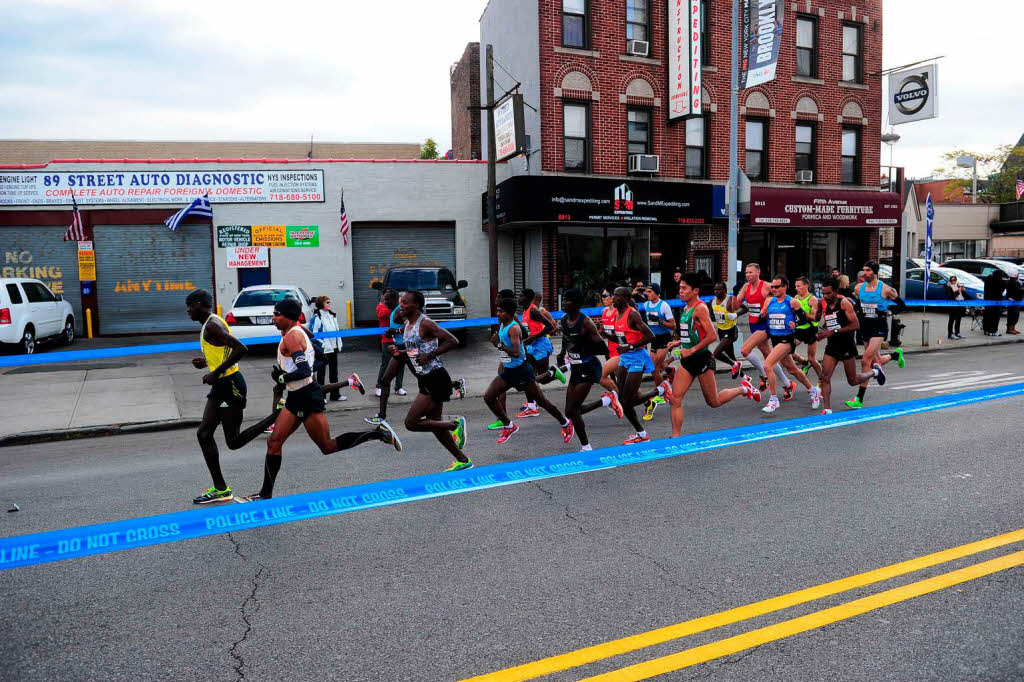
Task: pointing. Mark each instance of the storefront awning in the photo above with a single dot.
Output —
(814, 208)
(598, 201)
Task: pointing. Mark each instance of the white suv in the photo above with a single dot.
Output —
(29, 313)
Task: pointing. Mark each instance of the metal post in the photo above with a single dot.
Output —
(974, 182)
(492, 151)
(348, 309)
(88, 323)
(734, 185)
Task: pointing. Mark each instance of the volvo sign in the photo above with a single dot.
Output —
(913, 95)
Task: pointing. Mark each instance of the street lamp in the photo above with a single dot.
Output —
(968, 161)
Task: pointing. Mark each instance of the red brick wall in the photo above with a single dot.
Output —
(610, 76)
(465, 93)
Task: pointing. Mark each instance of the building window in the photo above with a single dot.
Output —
(757, 148)
(705, 25)
(696, 147)
(807, 47)
(851, 53)
(576, 140)
(574, 23)
(805, 146)
(638, 131)
(637, 20)
(851, 156)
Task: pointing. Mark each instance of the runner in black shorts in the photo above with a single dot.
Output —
(782, 315)
(226, 400)
(838, 324)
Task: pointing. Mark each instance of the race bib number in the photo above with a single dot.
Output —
(684, 330)
(719, 316)
(754, 310)
(574, 358)
(870, 310)
(776, 321)
(504, 357)
(413, 355)
(653, 317)
(832, 322)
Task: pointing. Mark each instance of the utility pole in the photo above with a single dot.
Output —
(734, 169)
(492, 151)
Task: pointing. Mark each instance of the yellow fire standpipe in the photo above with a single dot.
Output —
(88, 322)
(218, 311)
(348, 307)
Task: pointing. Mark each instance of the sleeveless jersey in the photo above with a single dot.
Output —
(871, 302)
(835, 317)
(623, 332)
(805, 303)
(689, 332)
(288, 364)
(754, 301)
(780, 314)
(505, 340)
(415, 345)
(397, 337)
(608, 316)
(653, 314)
(721, 310)
(216, 355)
(532, 326)
(577, 349)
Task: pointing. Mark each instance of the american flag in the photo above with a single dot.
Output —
(345, 227)
(76, 231)
(200, 206)
(1020, 188)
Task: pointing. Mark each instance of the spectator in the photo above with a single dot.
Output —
(844, 286)
(955, 292)
(324, 320)
(1014, 292)
(387, 306)
(640, 293)
(835, 273)
(994, 289)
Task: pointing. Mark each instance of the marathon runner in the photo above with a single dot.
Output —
(538, 345)
(496, 425)
(611, 364)
(695, 360)
(658, 315)
(226, 400)
(875, 299)
(518, 373)
(725, 325)
(838, 324)
(305, 403)
(807, 332)
(424, 342)
(783, 313)
(754, 295)
(633, 335)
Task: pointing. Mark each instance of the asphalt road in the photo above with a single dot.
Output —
(453, 587)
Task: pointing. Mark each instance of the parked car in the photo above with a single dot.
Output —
(30, 313)
(973, 286)
(982, 267)
(440, 290)
(252, 313)
(1009, 259)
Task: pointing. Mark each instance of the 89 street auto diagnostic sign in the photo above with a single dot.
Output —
(161, 187)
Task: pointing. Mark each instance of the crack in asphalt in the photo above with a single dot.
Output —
(243, 609)
(568, 514)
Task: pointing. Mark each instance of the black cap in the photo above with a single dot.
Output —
(655, 287)
(289, 308)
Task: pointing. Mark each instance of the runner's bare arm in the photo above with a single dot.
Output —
(635, 321)
(739, 300)
(445, 340)
(295, 346)
(537, 316)
(515, 339)
(707, 327)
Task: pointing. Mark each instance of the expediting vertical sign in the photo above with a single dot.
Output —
(684, 61)
(762, 36)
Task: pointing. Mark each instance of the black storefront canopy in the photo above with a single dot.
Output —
(599, 201)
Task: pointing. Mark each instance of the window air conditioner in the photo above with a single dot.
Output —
(643, 163)
(805, 176)
(638, 48)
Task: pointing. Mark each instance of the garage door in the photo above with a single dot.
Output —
(380, 247)
(41, 253)
(144, 273)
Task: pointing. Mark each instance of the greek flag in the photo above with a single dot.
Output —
(200, 206)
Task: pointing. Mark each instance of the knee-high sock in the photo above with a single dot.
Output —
(780, 374)
(757, 362)
(270, 468)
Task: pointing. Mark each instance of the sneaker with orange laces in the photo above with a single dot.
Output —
(636, 438)
(355, 384)
(735, 369)
(528, 411)
(614, 405)
(788, 391)
(568, 431)
(667, 395)
(507, 432)
(749, 391)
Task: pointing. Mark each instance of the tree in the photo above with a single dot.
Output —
(997, 173)
(429, 149)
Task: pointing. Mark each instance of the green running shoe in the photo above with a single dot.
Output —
(213, 495)
(557, 372)
(854, 404)
(495, 426)
(649, 411)
(459, 466)
(658, 400)
(459, 432)
(899, 358)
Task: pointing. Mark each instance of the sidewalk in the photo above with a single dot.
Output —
(139, 393)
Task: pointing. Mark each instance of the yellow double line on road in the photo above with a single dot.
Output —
(731, 645)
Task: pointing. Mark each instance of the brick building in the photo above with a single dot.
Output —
(596, 72)
(465, 97)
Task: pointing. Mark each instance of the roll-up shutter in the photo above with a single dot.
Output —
(376, 248)
(144, 273)
(41, 253)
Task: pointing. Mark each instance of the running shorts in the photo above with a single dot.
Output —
(540, 349)
(698, 363)
(228, 391)
(437, 384)
(808, 335)
(586, 372)
(874, 327)
(761, 326)
(306, 401)
(789, 338)
(518, 377)
(638, 360)
(660, 341)
(730, 334)
(841, 347)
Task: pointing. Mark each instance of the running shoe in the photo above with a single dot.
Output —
(269, 429)
(376, 392)
(788, 391)
(764, 384)
(559, 374)
(528, 412)
(636, 438)
(658, 399)
(735, 369)
(879, 374)
(401, 391)
(806, 368)
(355, 384)
(568, 431)
(388, 435)
(854, 404)
(375, 419)
(460, 390)
(280, 405)
(255, 497)
(459, 466)
(773, 404)
(459, 432)
(649, 410)
(826, 412)
(507, 432)
(213, 495)
(614, 405)
(668, 391)
(900, 361)
(749, 391)
(815, 397)
(495, 425)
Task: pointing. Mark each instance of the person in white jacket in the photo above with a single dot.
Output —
(325, 320)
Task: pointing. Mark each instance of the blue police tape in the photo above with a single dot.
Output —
(156, 349)
(71, 543)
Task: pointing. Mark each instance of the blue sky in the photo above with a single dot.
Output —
(343, 72)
